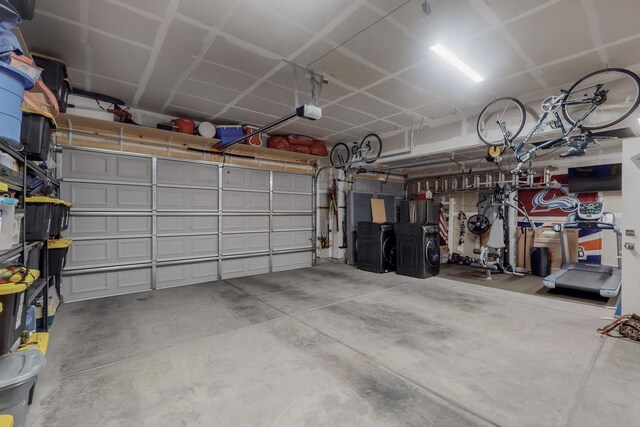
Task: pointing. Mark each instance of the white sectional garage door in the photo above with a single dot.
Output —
(141, 223)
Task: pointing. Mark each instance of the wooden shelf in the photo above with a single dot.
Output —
(270, 153)
(167, 139)
(99, 127)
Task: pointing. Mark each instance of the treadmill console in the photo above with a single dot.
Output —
(590, 211)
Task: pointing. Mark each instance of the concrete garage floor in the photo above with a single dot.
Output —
(332, 346)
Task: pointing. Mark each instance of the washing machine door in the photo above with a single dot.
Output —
(389, 250)
(432, 251)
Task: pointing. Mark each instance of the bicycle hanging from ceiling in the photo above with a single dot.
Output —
(351, 160)
(597, 101)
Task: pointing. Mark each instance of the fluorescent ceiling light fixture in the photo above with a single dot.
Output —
(456, 62)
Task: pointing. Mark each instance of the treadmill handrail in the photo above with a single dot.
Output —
(591, 224)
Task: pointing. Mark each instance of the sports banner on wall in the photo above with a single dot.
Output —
(549, 206)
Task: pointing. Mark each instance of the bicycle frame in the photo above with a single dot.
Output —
(565, 138)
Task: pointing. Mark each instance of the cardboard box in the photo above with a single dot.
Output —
(378, 213)
(545, 237)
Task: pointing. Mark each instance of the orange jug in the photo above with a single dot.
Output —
(184, 125)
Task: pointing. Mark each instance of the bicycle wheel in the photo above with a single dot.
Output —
(370, 148)
(508, 111)
(615, 92)
(340, 155)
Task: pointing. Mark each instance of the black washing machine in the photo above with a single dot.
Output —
(376, 247)
(418, 250)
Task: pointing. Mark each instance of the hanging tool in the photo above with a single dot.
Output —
(462, 220)
(333, 202)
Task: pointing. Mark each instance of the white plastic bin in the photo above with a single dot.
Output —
(7, 213)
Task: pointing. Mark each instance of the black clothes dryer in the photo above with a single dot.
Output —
(376, 247)
(418, 250)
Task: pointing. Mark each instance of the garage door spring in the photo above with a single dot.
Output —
(628, 326)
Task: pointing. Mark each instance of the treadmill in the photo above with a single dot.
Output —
(602, 279)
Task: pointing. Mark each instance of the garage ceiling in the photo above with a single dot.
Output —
(222, 59)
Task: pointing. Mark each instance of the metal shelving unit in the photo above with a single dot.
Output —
(40, 287)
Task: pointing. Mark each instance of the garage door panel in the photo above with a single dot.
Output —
(187, 246)
(81, 226)
(291, 239)
(87, 226)
(250, 179)
(79, 164)
(238, 201)
(101, 284)
(108, 197)
(204, 245)
(239, 243)
(242, 267)
(245, 223)
(292, 202)
(173, 172)
(292, 182)
(110, 252)
(171, 247)
(134, 169)
(186, 274)
(187, 224)
(282, 262)
(283, 222)
(188, 199)
(94, 252)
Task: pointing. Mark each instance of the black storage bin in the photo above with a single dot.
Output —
(58, 255)
(64, 212)
(56, 221)
(34, 258)
(540, 265)
(35, 135)
(12, 316)
(39, 212)
(25, 8)
(54, 75)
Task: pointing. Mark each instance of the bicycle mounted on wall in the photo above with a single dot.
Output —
(597, 101)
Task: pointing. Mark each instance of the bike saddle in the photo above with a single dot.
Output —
(574, 152)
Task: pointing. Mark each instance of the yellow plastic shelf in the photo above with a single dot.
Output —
(39, 340)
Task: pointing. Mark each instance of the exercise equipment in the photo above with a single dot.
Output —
(492, 254)
(478, 224)
(603, 279)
